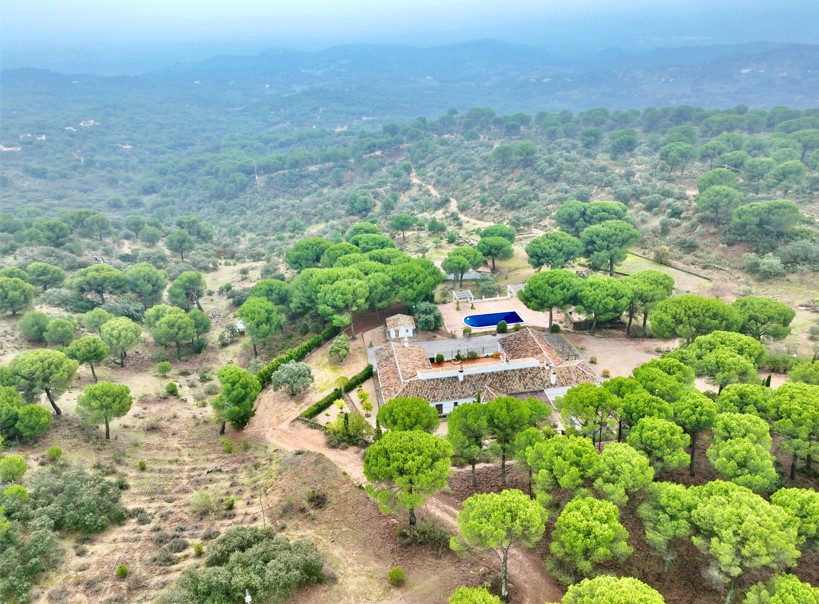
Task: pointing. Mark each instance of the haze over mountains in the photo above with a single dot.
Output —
(344, 84)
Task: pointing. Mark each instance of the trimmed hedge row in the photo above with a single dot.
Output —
(296, 353)
(324, 404)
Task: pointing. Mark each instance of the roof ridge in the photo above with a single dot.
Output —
(540, 345)
(397, 364)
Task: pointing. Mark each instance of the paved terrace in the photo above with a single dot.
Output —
(483, 345)
(454, 319)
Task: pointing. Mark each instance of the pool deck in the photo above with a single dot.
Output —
(454, 319)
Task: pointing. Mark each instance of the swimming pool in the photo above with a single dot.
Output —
(492, 319)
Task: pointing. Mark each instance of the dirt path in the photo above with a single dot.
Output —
(453, 204)
(526, 572)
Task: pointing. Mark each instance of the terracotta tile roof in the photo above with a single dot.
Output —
(397, 368)
(397, 364)
(529, 344)
(396, 321)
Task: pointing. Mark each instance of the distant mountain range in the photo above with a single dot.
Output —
(392, 82)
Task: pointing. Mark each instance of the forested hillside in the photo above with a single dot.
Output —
(196, 266)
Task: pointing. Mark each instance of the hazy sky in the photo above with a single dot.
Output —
(40, 26)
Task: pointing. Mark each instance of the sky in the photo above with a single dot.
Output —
(34, 30)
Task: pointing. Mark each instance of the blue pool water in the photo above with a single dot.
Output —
(492, 319)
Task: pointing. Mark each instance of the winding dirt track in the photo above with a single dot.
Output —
(531, 583)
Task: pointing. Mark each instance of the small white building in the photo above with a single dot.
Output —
(400, 326)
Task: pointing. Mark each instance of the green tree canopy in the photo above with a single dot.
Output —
(741, 531)
(93, 320)
(179, 242)
(147, 282)
(744, 462)
(15, 295)
(662, 441)
(505, 417)
(33, 326)
(45, 275)
(497, 521)
(48, 371)
(306, 253)
(186, 290)
(466, 430)
(262, 321)
(556, 288)
(416, 279)
(89, 350)
(764, 317)
(782, 589)
(621, 471)
(473, 595)
(763, 223)
(741, 425)
(406, 467)
(604, 298)
(240, 388)
(694, 412)
(689, 316)
(745, 398)
(592, 406)
(554, 249)
(340, 301)
(565, 462)
(666, 516)
(120, 335)
(402, 223)
(612, 590)
(588, 533)
(722, 177)
(293, 376)
(100, 279)
(717, 204)
(495, 248)
(802, 504)
(60, 332)
(499, 230)
(102, 402)
(455, 265)
(795, 410)
(607, 243)
(408, 414)
(645, 289)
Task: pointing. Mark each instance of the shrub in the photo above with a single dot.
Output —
(425, 533)
(122, 571)
(428, 317)
(176, 545)
(12, 468)
(439, 358)
(229, 503)
(270, 563)
(142, 465)
(202, 503)
(555, 328)
(198, 549)
(605, 373)
(396, 576)
(593, 360)
(467, 332)
(172, 389)
(317, 499)
(53, 454)
(163, 368)
(502, 327)
(340, 348)
(227, 445)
